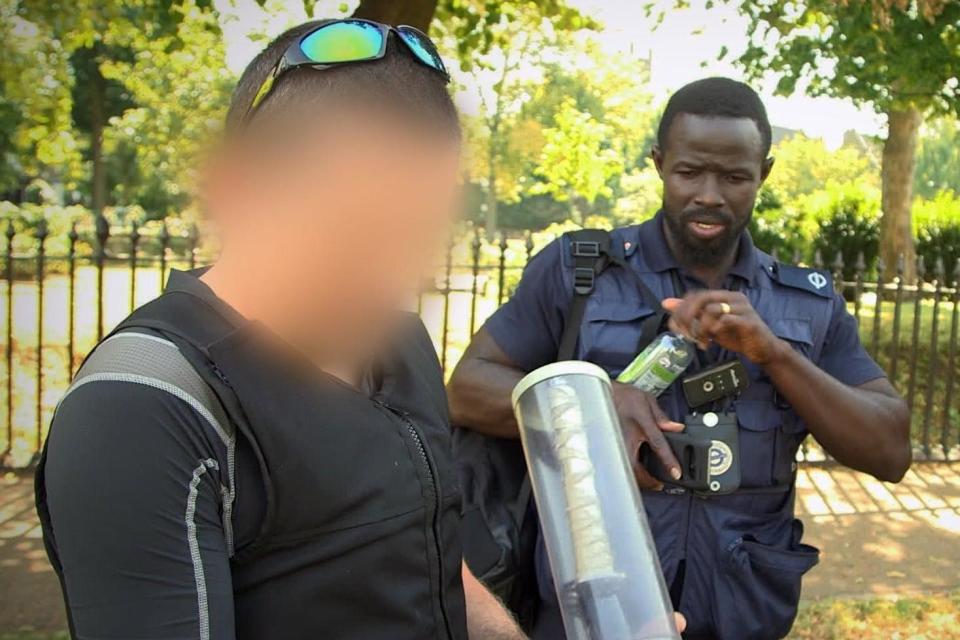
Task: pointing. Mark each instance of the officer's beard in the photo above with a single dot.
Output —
(697, 251)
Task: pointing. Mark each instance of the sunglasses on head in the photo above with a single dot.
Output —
(345, 41)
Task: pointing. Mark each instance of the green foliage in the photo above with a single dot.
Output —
(845, 218)
(533, 212)
(777, 229)
(504, 141)
(519, 108)
(181, 89)
(35, 103)
(804, 165)
(640, 195)
(848, 217)
(808, 184)
(891, 55)
(476, 27)
(937, 224)
(938, 158)
(577, 162)
(145, 77)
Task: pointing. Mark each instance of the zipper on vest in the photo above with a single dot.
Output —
(436, 507)
(221, 376)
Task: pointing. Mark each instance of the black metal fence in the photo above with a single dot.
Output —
(62, 292)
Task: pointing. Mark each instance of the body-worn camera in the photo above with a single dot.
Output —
(725, 380)
(708, 450)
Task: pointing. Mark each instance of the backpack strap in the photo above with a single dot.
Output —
(152, 361)
(590, 249)
(593, 251)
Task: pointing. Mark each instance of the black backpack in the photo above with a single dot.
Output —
(499, 524)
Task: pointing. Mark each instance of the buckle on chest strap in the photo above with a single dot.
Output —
(586, 249)
(583, 280)
(585, 254)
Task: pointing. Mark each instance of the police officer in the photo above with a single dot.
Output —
(733, 561)
(263, 451)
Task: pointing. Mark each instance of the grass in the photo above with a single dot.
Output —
(929, 617)
(928, 377)
(908, 314)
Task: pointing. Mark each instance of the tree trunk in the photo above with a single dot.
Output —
(491, 221)
(98, 170)
(416, 13)
(899, 160)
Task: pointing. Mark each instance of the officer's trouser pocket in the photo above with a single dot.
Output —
(757, 587)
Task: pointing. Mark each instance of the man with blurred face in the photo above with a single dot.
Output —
(732, 557)
(263, 451)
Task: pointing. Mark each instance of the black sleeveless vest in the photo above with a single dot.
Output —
(360, 538)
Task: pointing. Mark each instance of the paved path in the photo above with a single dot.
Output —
(876, 539)
(29, 592)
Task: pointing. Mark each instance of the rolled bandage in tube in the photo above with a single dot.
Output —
(602, 556)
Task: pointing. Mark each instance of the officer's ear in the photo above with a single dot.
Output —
(657, 156)
(766, 168)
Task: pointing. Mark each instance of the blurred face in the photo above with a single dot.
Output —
(342, 222)
(712, 168)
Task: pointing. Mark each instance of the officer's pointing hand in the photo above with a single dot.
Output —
(726, 318)
(642, 420)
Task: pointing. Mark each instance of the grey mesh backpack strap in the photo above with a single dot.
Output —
(139, 356)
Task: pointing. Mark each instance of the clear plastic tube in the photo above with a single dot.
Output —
(602, 556)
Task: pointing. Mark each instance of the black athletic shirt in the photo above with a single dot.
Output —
(140, 526)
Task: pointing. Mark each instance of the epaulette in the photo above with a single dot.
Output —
(815, 281)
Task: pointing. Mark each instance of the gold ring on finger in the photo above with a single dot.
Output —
(724, 308)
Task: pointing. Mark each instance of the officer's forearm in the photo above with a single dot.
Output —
(487, 618)
(479, 395)
(866, 428)
(480, 387)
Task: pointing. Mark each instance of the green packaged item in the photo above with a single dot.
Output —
(657, 366)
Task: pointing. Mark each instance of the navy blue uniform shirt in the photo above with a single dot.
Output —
(721, 552)
(528, 327)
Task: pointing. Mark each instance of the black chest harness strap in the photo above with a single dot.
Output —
(593, 251)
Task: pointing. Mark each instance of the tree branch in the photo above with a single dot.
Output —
(416, 13)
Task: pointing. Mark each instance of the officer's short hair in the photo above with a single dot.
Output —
(396, 81)
(719, 97)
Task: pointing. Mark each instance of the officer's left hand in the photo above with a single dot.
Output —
(726, 318)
